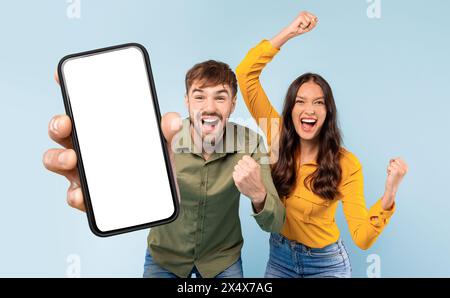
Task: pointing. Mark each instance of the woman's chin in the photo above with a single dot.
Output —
(308, 137)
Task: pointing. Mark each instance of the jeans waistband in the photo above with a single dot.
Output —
(301, 247)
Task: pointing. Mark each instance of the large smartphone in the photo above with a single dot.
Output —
(123, 161)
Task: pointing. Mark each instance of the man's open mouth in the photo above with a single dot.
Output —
(209, 123)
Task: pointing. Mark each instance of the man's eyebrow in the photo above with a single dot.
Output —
(222, 91)
(198, 90)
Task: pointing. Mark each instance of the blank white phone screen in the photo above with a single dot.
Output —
(118, 136)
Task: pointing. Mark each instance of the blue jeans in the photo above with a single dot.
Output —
(152, 270)
(290, 259)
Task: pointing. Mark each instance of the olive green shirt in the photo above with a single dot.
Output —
(207, 233)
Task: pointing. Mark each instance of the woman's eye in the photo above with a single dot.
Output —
(299, 101)
(199, 98)
(320, 103)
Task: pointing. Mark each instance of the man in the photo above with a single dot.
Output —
(215, 161)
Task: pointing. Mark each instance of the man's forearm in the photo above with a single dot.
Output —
(258, 202)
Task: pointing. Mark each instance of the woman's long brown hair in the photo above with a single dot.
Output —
(324, 181)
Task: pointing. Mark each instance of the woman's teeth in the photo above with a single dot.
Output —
(311, 121)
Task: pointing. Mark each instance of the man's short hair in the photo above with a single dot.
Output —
(211, 73)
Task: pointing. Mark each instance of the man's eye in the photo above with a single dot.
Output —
(199, 97)
(220, 98)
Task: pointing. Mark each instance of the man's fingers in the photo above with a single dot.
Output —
(243, 164)
(56, 77)
(60, 129)
(64, 161)
(236, 176)
(60, 161)
(171, 124)
(249, 161)
(75, 197)
(241, 170)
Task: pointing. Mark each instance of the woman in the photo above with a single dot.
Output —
(311, 170)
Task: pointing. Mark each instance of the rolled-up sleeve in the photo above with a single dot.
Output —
(272, 217)
(365, 225)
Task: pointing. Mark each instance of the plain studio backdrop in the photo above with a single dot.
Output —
(389, 70)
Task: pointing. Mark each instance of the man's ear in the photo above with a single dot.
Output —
(186, 101)
(233, 103)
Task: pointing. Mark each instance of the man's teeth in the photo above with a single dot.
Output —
(210, 121)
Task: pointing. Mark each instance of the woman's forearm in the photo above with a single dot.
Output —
(388, 199)
(281, 38)
(304, 22)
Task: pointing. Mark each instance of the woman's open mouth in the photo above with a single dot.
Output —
(308, 124)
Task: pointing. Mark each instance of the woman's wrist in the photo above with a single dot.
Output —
(387, 202)
(281, 38)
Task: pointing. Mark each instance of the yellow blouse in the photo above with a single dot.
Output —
(310, 220)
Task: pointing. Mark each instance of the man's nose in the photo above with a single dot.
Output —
(210, 105)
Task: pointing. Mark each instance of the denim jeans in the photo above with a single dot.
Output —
(290, 259)
(152, 270)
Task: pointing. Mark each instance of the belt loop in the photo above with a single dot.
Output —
(306, 249)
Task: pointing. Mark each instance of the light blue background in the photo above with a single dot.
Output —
(390, 77)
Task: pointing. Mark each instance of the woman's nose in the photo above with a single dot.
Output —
(310, 111)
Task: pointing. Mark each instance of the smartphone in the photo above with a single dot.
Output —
(123, 161)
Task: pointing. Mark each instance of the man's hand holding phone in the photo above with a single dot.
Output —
(63, 161)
